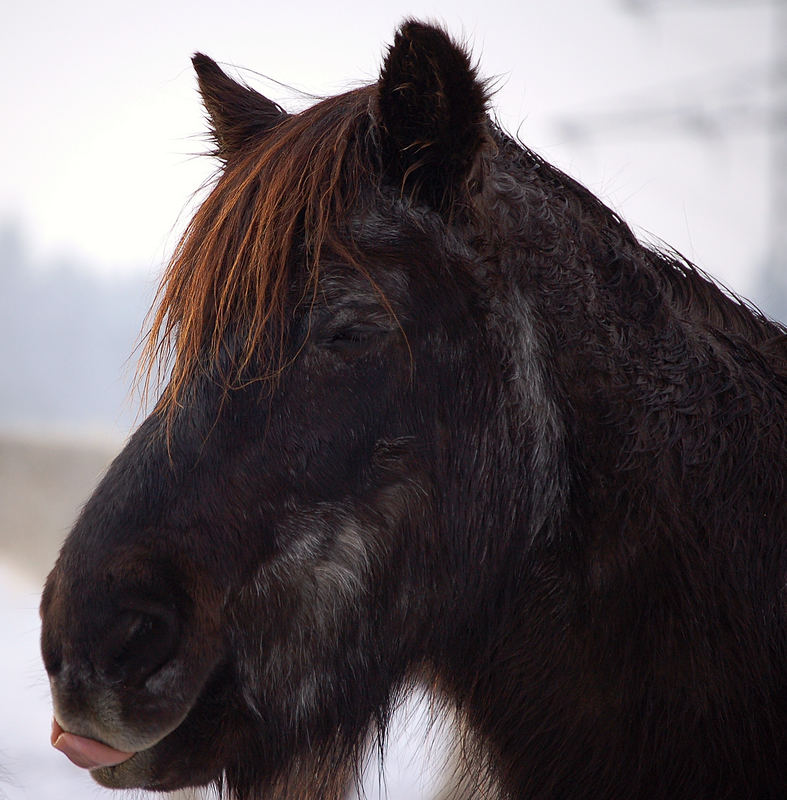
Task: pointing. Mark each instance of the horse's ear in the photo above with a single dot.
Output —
(432, 110)
(238, 114)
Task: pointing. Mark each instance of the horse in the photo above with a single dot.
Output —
(432, 416)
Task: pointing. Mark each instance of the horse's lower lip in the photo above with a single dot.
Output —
(86, 753)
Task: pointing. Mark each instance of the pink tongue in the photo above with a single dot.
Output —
(86, 753)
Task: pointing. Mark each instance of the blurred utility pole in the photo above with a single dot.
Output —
(739, 108)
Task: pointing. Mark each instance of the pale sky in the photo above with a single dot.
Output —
(101, 116)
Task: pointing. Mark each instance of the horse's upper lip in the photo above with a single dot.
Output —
(84, 752)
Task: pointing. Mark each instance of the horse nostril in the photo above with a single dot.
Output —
(139, 643)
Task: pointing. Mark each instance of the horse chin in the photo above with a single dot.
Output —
(92, 735)
(144, 770)
(140, 770)
(132, 774)
(153, 769)
(186, 753)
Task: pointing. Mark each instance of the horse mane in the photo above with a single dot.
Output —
(232, 270)
(680, 283)
(691, 289)
(232, 274)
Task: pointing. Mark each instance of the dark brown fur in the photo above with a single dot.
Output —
(435, 416)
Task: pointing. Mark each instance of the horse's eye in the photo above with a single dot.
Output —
(353, 338)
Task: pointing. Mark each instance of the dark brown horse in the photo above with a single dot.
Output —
(434, 416)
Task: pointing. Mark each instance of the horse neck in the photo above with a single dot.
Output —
(617, 364)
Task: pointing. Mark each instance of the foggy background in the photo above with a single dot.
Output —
(674, 112)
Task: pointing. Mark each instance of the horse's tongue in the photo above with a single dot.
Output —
(86, 753)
